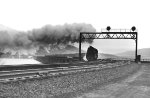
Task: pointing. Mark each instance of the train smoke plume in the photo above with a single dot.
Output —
(59, 34)
(17, 39)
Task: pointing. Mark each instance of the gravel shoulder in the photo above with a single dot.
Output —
(134, 86)
(67, 86)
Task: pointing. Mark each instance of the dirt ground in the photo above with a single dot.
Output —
(134, 86)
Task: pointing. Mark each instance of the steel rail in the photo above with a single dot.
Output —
(19, 75)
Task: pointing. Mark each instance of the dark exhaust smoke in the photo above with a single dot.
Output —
(47, 35)
(5, 39)
(13, 40)
(21, 40)
(60, 34)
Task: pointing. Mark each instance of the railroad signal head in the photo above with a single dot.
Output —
(133, 28)
(108, 28)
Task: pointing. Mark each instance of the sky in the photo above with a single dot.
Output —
(25, 15)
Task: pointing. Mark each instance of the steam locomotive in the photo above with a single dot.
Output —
(92, 54)
(59, 58)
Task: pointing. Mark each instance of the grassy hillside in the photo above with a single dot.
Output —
(104, 56)
(145, 53)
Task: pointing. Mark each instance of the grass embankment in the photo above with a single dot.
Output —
(51, 86)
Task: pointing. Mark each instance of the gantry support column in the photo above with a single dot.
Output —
(80, 40)
(136, 42)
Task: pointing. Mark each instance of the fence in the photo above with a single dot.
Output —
(145, 60)
(131, 59)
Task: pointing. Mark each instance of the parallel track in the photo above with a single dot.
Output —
(15, 75)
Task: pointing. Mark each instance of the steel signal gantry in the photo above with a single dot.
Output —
(111, 34)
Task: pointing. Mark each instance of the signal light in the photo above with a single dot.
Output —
(133, 28)
(108, 28)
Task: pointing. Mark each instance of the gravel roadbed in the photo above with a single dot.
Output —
(50, 86)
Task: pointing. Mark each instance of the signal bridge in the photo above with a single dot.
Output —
(110, 34)
(113, 34)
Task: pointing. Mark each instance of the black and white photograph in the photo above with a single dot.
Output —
(74, 49)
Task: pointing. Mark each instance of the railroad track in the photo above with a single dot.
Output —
(16, 75)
